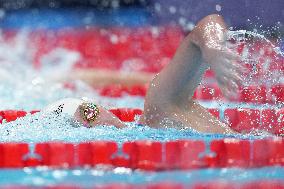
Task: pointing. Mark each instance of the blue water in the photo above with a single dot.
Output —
(36, 90)
(41, 127)
(90, 177)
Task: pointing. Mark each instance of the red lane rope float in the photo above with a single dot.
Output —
(184, 154)
(126, 114)
(119, 90)
(139, 46)
(48, 151)
(259, 184)
(209, 92)
(12, 115)
(11, 154)
(147, 155)
(96, 153)
(229, 153)
(217, 184)
(150, 155)
(246, 120)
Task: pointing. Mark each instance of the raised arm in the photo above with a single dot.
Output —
(99, 78)
(170, 94)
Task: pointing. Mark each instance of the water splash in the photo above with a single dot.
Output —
(43, 127)
(262, 57)
(27, 88)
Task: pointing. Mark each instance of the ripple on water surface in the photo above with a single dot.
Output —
(42, 127)
(23, 88)
(42, 176)
(26, 88)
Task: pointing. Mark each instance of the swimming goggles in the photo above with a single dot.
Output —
(89, 112)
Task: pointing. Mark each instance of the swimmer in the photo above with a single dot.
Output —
(169, 98)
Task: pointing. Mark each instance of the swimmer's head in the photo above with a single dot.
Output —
(89, 112)
(92, 115)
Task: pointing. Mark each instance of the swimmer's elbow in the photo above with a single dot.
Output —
(213, 18)
(197, 35)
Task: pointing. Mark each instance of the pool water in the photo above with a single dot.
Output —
(92, 177)
(29, 89)
(39, 127)
(42, 128)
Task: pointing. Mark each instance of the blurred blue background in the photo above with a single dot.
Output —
(244, 14)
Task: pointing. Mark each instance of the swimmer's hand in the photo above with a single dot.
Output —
(210, 36)
(224, 62)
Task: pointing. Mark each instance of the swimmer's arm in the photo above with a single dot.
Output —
(170, 94)
(179, 79)
(98, 77)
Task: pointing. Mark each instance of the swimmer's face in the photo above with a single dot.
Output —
(89, 112)
(104, 118)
